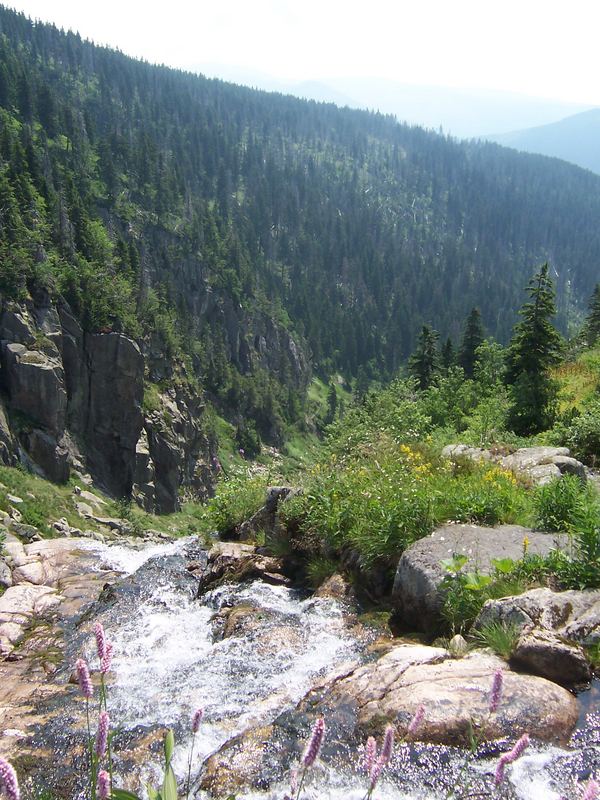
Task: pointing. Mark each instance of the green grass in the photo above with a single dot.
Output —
(501, 637)
(578, 380)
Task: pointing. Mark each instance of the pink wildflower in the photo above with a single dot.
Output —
(388, 744)
(508, 758)
(416, 721)
(100, 639)
(370, 754)
(518, 749)
(496, 692)
(103, 785)
(197, 719)
(83, 676)
(314, 745)
(106, 659)
(9, 784)
(102, 734)
(592, 791)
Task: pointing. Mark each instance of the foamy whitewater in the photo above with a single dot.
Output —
(168, 662)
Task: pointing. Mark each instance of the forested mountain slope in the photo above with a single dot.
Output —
(575, 138)
(239, 236)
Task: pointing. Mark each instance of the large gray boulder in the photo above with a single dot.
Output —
(554, 628)
(362, 700)
(417, 596)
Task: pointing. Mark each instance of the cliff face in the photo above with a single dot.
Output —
(73, 401)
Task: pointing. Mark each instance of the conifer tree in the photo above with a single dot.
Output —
(424, 362)
(592, 323)
(473, 336)
(448, 354)
(534, 349)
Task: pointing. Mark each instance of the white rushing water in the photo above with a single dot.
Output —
(168, 662)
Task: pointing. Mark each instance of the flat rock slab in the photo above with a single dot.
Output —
(416, 594)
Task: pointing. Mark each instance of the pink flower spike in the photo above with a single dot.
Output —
(106, 660)
(9, 785)
(499, 774)
(496, 692)
(100, 639)
(314, 745)
(103, 785)
(518, 749)
(102, 734)
(197, 719)
(83, 676)
(416, 721)
(388, 745)
(370, 754)
(294, 782)
(592, 791)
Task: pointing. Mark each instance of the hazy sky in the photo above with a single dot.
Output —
(537, 47)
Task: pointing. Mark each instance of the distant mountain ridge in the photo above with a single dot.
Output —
(575, 138)
(466, 113)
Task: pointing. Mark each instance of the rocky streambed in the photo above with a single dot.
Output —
(264, 661)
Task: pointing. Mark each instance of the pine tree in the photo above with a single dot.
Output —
(331, 404)
(448, 354)
(424, 362)
(473, 336)
(592, 323)
(534, 349)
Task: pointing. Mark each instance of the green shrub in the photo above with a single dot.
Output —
(559, 503)
(236, 499)
(501, 637)
(582, 433)
(318, 569)
(485, 495)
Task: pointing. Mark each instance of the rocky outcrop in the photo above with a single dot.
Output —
(537, 465)
(554, 628)
(234, 562)
(417, 594)
(73, 400)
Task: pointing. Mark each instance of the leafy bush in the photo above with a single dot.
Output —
(582, 433)
(236, 500)
(485, 495)
(560, 503)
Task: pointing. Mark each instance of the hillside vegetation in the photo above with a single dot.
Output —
(210, 221)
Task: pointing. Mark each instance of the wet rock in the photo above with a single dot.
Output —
(544, 653)
(336, 587)
(417, 596)
(364, 700)
(233, 562)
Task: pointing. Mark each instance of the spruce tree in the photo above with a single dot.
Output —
(424, 362)
(473, 336)
(448, 354)
(534, 349)
(592, 323)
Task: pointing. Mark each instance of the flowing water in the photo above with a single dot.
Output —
(170, 659)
